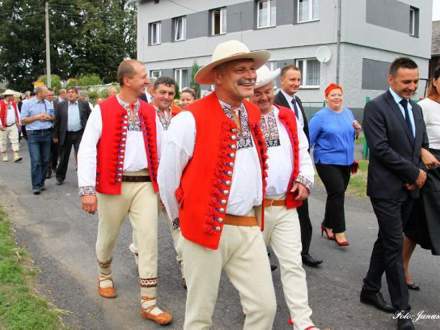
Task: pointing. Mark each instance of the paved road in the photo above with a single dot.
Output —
(61, 239)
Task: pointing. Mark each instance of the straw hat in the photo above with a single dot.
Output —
(10, 92)
(226, 52)
(265, 76)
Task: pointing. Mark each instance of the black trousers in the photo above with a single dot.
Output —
(54, 154)
(335, 179)
(306, 226)
(72, 139)
(387, 251)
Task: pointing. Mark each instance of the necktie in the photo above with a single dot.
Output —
(404, 103)
(295, 107)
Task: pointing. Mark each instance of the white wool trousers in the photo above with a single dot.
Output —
(9, 133)
(139, 202)
(282, 233)
(242, 256)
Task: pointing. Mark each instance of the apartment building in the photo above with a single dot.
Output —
(349, 41)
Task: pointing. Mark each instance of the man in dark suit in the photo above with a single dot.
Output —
(70, 120)
(396, 134)
(290, 82)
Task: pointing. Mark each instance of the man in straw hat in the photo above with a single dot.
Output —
(290, 178)
(9, 126)
(211, 179)
(117, 171)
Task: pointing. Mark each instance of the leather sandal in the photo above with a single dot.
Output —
(109, 292)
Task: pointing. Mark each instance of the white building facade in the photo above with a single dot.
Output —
(361, 38)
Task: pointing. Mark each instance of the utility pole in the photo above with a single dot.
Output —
(48, 74)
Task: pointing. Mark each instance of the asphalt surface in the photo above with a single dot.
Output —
(61, 240)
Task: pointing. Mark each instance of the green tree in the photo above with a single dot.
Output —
(193, 83)
(89, 80)
(86, 36)
(55, 81)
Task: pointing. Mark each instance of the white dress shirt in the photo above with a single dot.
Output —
(431, 115)
(10, 116)
(289, 100)
(280, 161)
(135, 155)
(178, 148)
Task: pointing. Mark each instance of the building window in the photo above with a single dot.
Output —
(218, 21)
(310, 72)
(266, 13)
(308, 10)
(179, 28)
(155, 33)
(413, 21)
(154, 74)
(182, 78)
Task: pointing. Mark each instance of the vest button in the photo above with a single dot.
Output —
(220, 219)
(223, 201)
(221, 209)
(232, 155)
(218, 228)
(234, 137)
(226, 192)
(233, 146)
(228, 182)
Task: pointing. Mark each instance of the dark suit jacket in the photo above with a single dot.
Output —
(61, 112)
(143, 97)
(282, 101)
(394, 153)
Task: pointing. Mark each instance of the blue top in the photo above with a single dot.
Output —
(34, 107)
(73, 117)
(332, 137)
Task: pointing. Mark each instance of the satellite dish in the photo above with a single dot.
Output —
(323, 54)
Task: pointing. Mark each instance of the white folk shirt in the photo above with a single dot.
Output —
(289, 100)
(431, 115)
(246, 188)
(280, 162)
(135, 158)
(10, 116)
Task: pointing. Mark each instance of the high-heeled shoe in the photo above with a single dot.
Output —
(341, 243)
(328, 233)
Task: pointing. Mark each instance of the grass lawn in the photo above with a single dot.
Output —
(358, 181)
(20, 305)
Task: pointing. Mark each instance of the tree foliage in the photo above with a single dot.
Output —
(55, 81)
(86, 36)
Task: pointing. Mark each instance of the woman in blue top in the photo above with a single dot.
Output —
(332, 133)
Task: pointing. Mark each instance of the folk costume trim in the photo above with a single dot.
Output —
(244, 134)
(270, 130)
(164, 118)
(148, 282)
(112, 144)
(4, 112)
(202, 205)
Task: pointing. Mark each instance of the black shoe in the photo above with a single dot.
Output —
(43, 188)
(413, 286)
(405, 323)
(48, 174)
(308, 260)
(376, 299)
(59, 182)
(273, 267)
(36, 191)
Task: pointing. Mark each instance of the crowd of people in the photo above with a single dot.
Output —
(233, 171)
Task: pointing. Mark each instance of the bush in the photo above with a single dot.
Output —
(89, 80)
(55, 81)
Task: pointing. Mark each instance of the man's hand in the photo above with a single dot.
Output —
(421, 179)
(89, 203)
(301, 190)
(410, 187)
(55, 140)
(429, 159)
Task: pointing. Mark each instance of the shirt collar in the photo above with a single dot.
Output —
(126, 105)
(397, 98)
(288, 97)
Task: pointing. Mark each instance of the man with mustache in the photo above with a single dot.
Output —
(396, 134)
(212, 179)
(117, 171)
(289, 181)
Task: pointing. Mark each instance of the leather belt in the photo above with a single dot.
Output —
(274, 202)
(236, 220)
(136, 178)
(11, 125)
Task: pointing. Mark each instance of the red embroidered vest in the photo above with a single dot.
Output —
(4, 112)
(111, 146)
(287, 118)
(207, 178)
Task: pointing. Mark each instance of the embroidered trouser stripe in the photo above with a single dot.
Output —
(139, 201)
